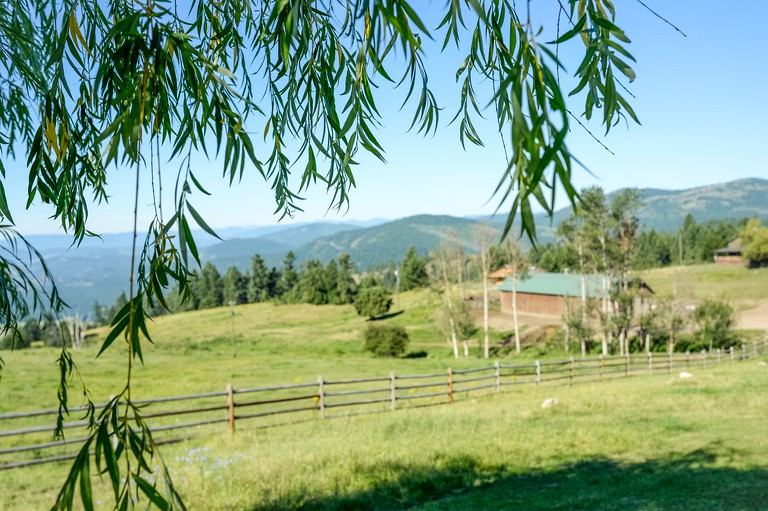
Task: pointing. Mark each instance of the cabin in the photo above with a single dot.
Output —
(730, 255)
(552, 294)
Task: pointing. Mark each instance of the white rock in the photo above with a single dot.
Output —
(761, 363)
(684, 375)
(549, 402)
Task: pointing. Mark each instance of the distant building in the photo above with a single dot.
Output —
(730, 255)
(551, 293)
(497, 276)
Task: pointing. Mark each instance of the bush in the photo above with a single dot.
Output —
(373, 301)
(386, 341)
(714, 321)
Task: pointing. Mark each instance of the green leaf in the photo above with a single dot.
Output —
(200, 221)
(151, 493)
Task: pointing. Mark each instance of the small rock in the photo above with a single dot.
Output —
(550, 402)
(684, 375)
(761, 363)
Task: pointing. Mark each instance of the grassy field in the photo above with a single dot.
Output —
(275, 344)
(739, 285)
(648, 443)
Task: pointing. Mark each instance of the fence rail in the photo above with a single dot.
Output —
(25, 437)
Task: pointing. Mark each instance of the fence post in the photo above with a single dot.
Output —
(703, 358)
(754, 349)
(669, 362)
(730, 351)
(602, 365)
(538, 372)
(687, 359)
(321, 396)
(627, 362)
(650, 362)
(392, 391)
(231, 407)
(570, 371)
(718, 356)
(743, 351)
(497, 366)
(450, 385)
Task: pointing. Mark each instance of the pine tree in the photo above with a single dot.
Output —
(312, 284)
(413, 271)
(235, 286)
(211, 290)
(347, 288)
(259, 280)
(290, 278)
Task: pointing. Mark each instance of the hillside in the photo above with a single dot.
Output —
(389, 242)
(665, 210)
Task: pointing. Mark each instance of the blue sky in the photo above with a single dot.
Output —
(700, 99)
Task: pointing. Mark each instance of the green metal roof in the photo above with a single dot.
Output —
(556, 284)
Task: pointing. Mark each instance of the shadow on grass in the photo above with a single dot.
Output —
(693, 481)
(386, 316)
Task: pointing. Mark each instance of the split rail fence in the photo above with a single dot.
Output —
(26, 437)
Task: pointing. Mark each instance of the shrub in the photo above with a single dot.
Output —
(714, 321)
(386, 341)
(373, 301)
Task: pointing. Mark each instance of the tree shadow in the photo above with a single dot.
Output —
(386, 316)
(690, 481)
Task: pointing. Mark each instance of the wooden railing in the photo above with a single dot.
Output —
(26, 437)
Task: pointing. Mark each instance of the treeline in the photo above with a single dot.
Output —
(692, 243)
(336, 283)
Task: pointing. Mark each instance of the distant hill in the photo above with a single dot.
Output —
(389, 242)
(665, 210)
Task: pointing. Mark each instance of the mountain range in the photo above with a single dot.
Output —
(98, 269)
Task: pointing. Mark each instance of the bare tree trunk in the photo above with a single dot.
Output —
(514, 313)
(466, 348)
(486, 342)
(567, 338)
(647, 342)
(454, 342)
(623, 347)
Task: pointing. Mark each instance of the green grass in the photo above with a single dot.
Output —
(275, 344)
(648, 443)
(735, 284)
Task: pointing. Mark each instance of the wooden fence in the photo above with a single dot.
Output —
(26, 437)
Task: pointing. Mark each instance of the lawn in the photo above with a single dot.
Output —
(736, 284)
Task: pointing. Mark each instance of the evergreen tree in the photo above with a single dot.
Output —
(413, 271)
(274, 287)
(331, 281)
(290, 277)
(210, 287)
(235, 286)
(312, 284)
(346, 286)
(259, 280)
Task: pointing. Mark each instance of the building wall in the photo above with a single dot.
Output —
(730, 260)
(529, 303)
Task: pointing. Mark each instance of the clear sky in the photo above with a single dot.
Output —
(701, 100)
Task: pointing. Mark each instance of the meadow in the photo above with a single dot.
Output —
(743, 287)
(649, 443)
